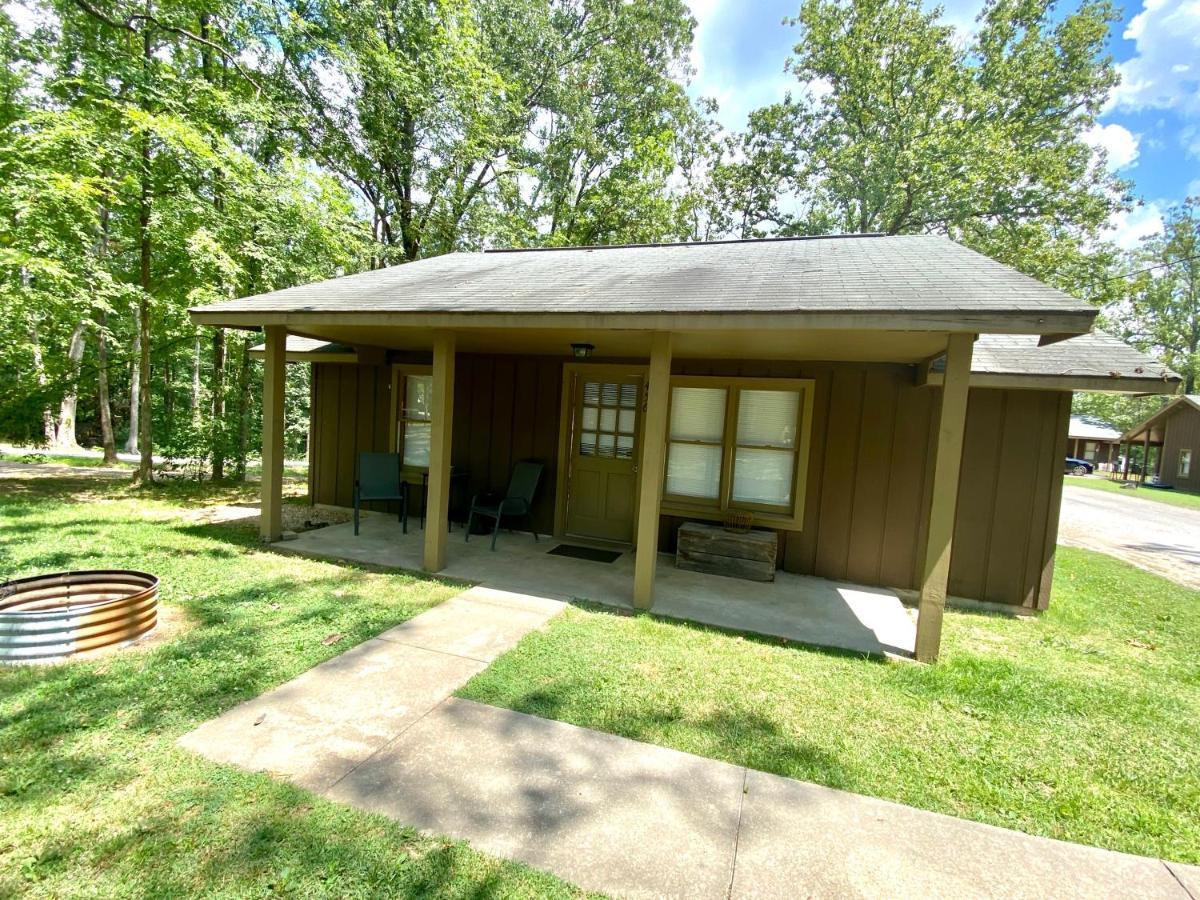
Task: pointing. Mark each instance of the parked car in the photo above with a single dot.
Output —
(1078, 466)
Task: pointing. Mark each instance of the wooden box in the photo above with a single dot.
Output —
(712, 549)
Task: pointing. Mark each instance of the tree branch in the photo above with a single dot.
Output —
(129, 24)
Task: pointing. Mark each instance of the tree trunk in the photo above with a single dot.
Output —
(106, 429)
(243, 444)
(145, 472)
(135, 384)
(100, 316)
(64, 438)
(196, 380)
(218, 404)
(39, 368)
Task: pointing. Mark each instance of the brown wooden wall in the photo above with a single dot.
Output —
(1183, 431)
(506, 409)
(868, 470)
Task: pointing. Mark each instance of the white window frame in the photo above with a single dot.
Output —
(1185, 462)
(792, 516)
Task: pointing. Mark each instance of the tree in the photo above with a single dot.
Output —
(530, 120)
(898, 127)
(1161, 313)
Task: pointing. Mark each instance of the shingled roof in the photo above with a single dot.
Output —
(924, 276)
(1094, 361)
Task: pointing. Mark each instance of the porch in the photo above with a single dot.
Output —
(796, 608)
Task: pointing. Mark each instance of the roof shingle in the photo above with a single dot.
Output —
(913, 273)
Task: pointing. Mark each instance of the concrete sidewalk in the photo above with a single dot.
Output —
(377, 728)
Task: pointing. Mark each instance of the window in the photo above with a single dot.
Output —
(1185, 463)
(608, 421)
(414, 418)
(696, 448)
(737, 444)
(1089, 450)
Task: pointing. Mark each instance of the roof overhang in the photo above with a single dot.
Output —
(1137, 432)
(998, 321)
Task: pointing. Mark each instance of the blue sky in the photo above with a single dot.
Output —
(1150, 127)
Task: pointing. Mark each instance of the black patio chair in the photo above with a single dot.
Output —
(379, 479)
(516, 501)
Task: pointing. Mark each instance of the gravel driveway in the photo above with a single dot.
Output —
(1153, 536)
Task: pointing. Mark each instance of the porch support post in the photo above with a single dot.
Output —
(437, 501)
(1145, 455)
(653, 467)
(935, 568)
(274, 368)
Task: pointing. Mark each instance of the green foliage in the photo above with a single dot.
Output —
(1161, 309)
(900, 126)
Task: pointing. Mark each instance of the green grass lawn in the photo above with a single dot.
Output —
(95, 797)
(1174, 498)
(1083, 724)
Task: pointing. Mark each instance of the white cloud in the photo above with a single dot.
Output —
(1126, 229)
(1165, 71)
(1120, 145)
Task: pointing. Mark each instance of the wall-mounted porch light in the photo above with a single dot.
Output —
(582, 351)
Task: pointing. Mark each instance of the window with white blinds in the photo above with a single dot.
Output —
(765, 460)
(736, 444)
(608, 419)
(415, 422)
(696, 448)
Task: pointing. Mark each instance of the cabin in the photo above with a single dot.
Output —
(894, 411)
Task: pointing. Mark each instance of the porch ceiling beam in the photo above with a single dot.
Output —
(943, 501)
(274, 367)
(994, 321)
(441, 436)
(653, 468)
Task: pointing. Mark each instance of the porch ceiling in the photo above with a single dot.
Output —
(828, 345)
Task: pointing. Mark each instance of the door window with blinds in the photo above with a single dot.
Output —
(414, 417)
(737, 444)
(608, 419)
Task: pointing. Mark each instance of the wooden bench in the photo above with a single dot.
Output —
(715, 551)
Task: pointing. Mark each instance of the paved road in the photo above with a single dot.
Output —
(1154, 536)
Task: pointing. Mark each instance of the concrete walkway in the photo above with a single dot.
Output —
(376, 728)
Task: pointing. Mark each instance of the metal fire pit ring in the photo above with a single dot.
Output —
(50, 617)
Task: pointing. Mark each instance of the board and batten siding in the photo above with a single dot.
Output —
(506, 409)
(868, 474)
(1183, 433)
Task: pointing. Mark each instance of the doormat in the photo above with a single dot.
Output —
(591, 554)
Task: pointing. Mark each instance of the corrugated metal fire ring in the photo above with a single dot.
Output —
(50, 617)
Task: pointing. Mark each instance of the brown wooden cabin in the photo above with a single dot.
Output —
(883, 404)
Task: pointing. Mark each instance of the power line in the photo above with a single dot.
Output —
(1166, 265)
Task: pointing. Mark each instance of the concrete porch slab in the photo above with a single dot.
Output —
(837, 844)
(602, 811)
(795, 607)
